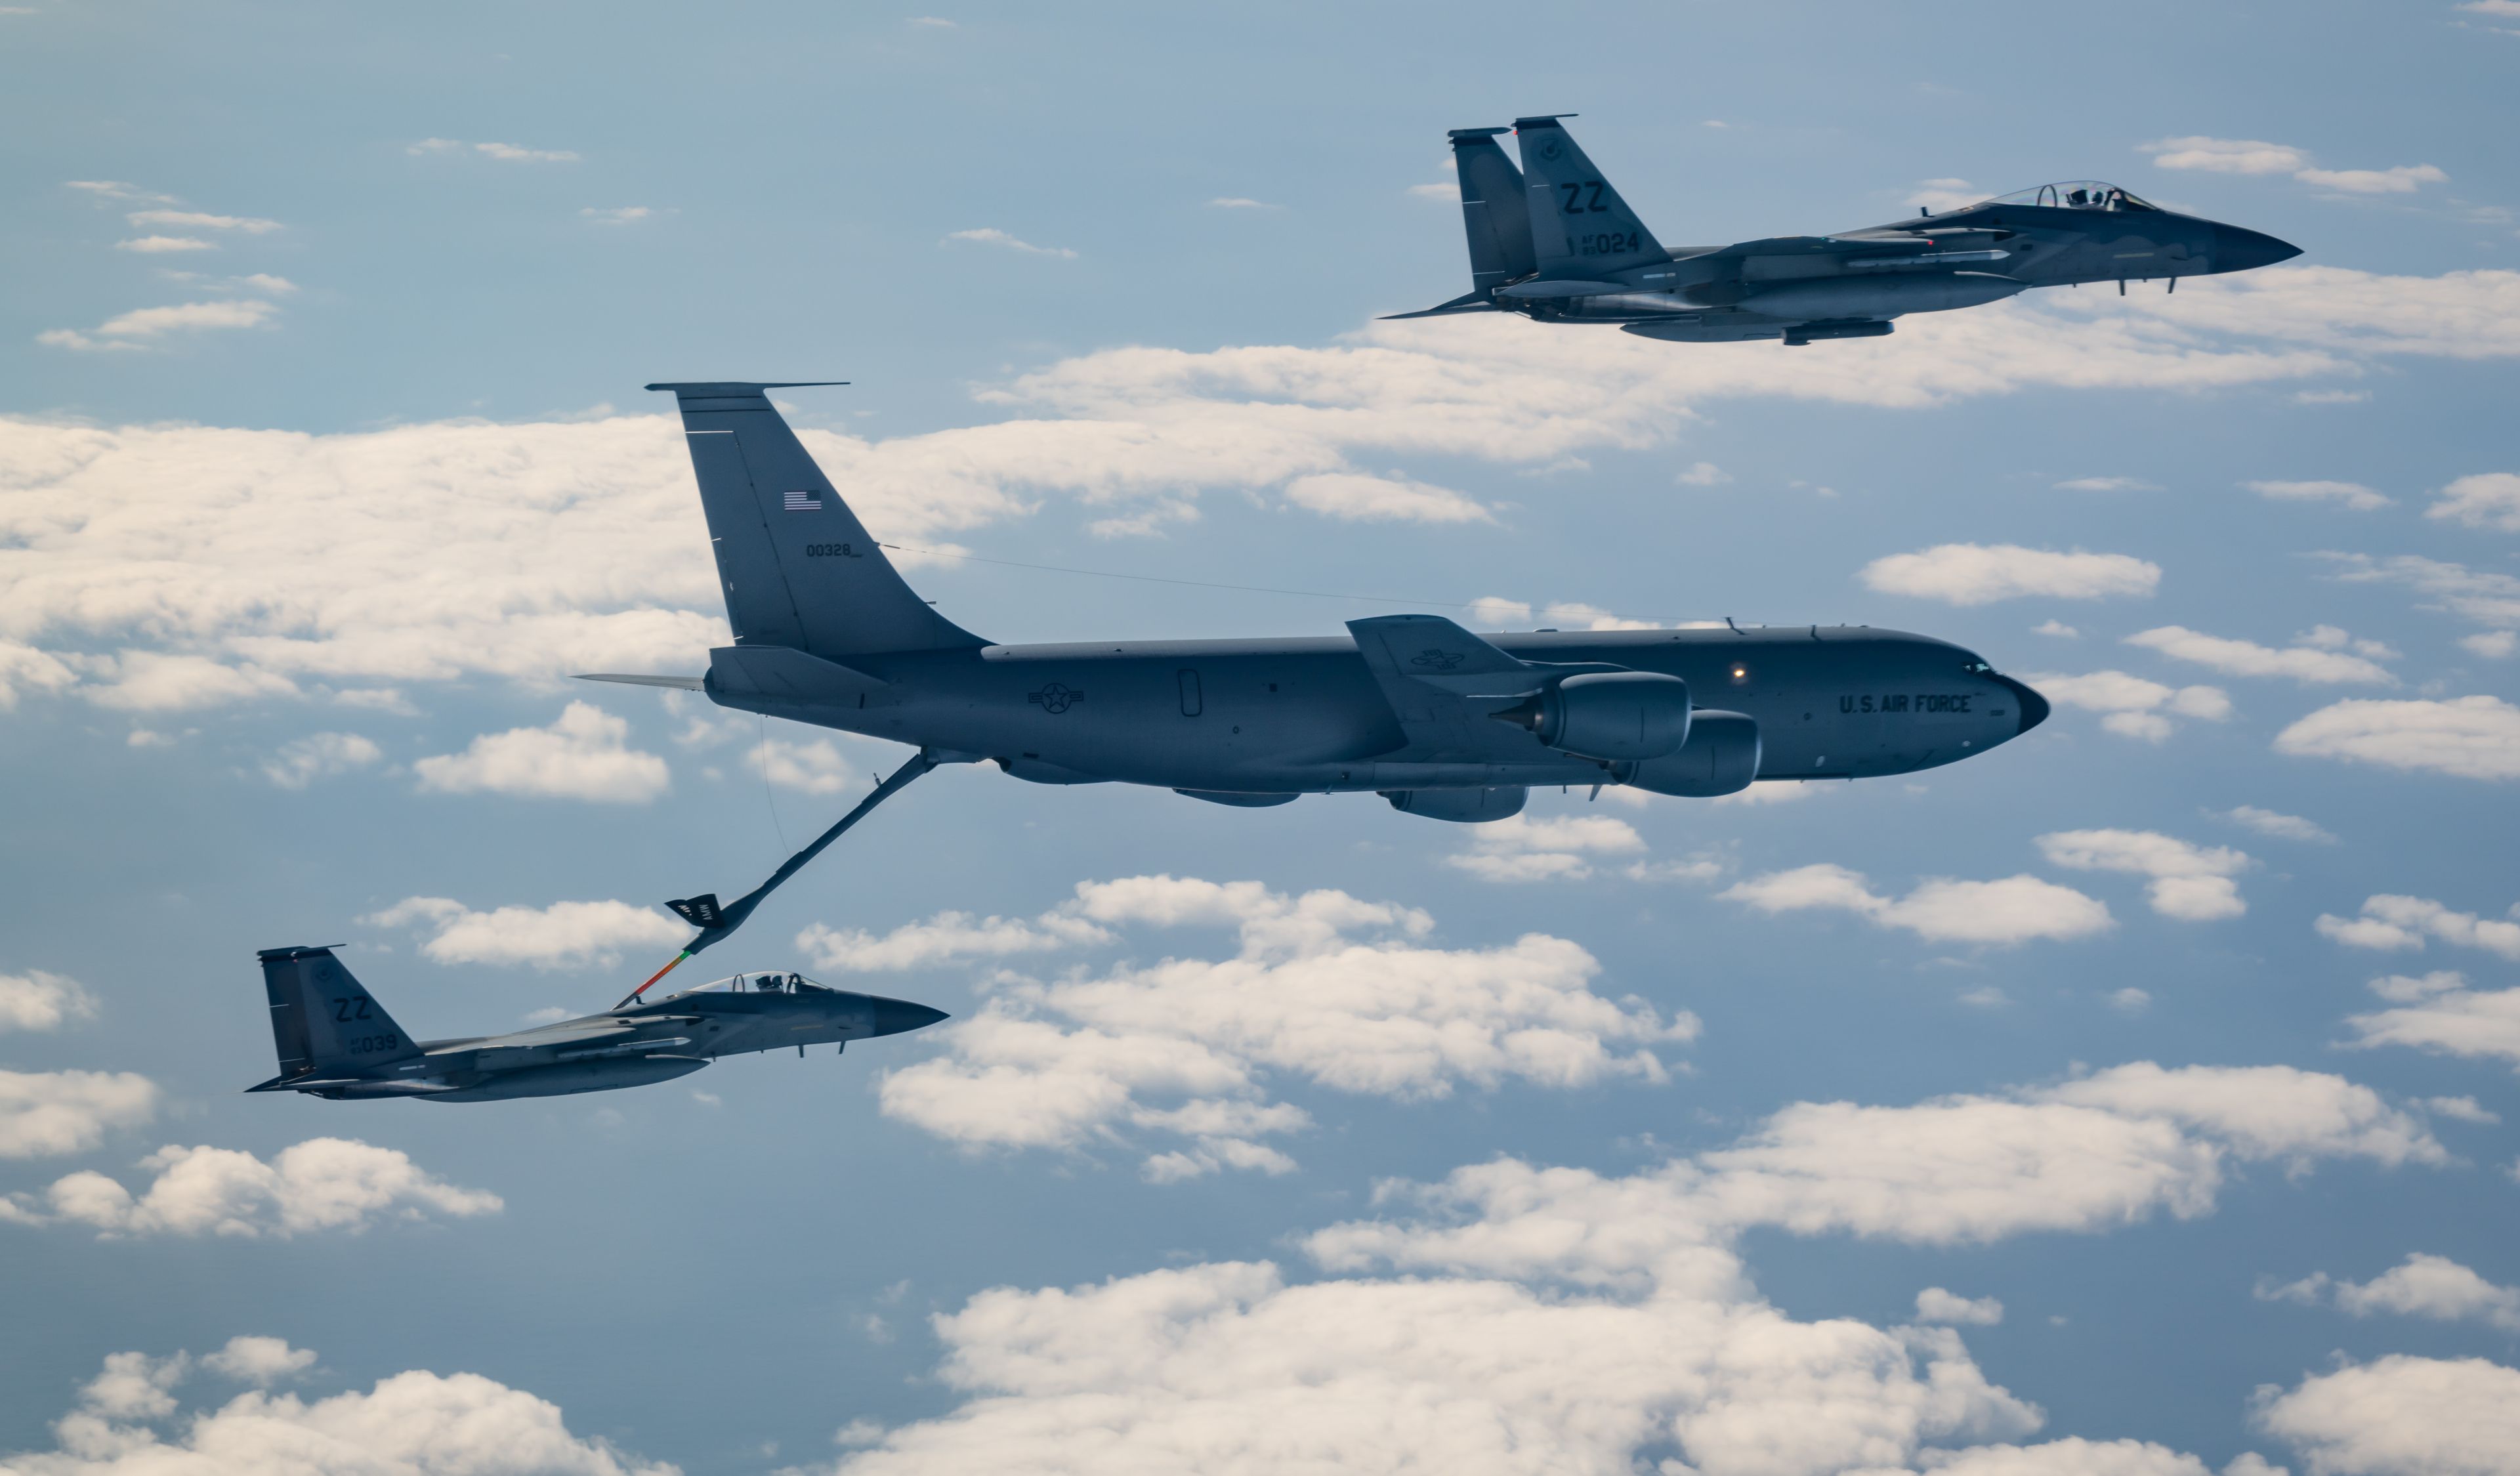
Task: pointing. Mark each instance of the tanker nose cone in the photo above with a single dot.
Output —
(894, 1016)
(2239, 250)
(2033, 708)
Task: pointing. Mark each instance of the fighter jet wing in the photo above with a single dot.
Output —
(1443, 683)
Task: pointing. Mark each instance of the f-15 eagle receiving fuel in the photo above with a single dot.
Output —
(1552, 241)
(1440, 721)
(335, 1040)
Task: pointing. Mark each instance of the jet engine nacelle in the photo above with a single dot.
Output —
(1464, 806)
(1879, 296)
(1609, 715)
(1721, 757)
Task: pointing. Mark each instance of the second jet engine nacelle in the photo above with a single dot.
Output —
(1465, 806)
(1609, 715)
(1721, 757)
(1879, 296)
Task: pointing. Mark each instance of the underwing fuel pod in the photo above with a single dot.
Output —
(335, 1040)
(1554, 241)
(1442, 723)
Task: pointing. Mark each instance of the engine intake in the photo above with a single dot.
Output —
(1608, 715)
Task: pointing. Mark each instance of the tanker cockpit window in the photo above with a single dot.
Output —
(1977, 668)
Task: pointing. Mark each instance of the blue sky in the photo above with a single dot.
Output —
(1666, 1135)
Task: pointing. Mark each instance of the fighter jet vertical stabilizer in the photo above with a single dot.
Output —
(1579, 224)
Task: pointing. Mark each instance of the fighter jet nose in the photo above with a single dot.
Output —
(2033, 708)
(894, 1016)
(2239, 251)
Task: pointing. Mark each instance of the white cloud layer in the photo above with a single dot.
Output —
(319, 755)
(2188, 881)
(2310, 662)
(1971, 573)
(2401, 1416)
(2488, 501)
(558, 547)
(2469, 737)
(2481, 597)
(128, 1422)
(1514, 1318)
(2278, 824)
(2353, 495)
(49, 1113)
(1559, 849)
(2421, 1286)
(324, 1183)
(1936, 1305)
(562, 935)
(40, 1001)
(2392, 921)
(1325, 987)
(2234, 156)
(584, 754)
(2438, 1012)
(1939, 909)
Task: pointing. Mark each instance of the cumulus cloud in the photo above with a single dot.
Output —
(1702, 474)
(562, 935)
(615, 215)
(147, 325)
(128, 1422)
(2233, 155)
(2310, 662)
(2353, 495)
(512, 154)
(2276, 824)
(40, 1001)
(1515, 1317)
(2401, 1416)
(324, 1183)
(1940, 910)
(319, 755)
(1936, 1305)
(1524, 849)
(160, 244)
(2488, 501)
(2109, 485)
(992, 236)
(2393, 922)
(2482, 597)
(251, 1358)
(556, 547)
(945, 938)
(1359, 498)
(2132, 705)
(582, 755)
(1969, 573)
(2469, 737)
(1323, 986)
(49, 1113)
(2436, 1012)
(203, 220)
(2189, 880)
(2493, 645)
(2421, 1286)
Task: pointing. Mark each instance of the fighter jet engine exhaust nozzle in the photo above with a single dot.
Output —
(1608, 715)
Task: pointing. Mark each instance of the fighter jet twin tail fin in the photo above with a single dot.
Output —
(1556, 216)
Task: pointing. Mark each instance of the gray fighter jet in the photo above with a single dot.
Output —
(1552, 241)
(1440, 721)
(335, 1040)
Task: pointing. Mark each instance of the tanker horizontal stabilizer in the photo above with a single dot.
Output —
(686, 684)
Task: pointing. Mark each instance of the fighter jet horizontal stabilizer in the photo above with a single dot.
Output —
(1467, 302)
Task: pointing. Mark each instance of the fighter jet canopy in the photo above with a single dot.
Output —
(762, 983)
(2076, 194)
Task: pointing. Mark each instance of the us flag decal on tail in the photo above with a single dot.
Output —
(805, 501)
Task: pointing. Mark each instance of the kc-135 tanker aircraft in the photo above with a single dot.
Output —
(1552, 241)
(1440, 721)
